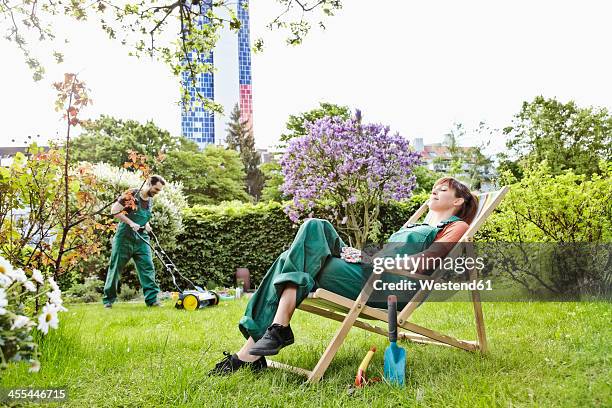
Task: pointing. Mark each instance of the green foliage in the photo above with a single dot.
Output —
(470, 165)
(108, 140)
(127, 293)
(296, 125)
(425, 179)
(274, 179)
(568, 209)
(37, 196)
(544, 207)
(219, 239)
(567, 136)
(90, 291)
(209, 177)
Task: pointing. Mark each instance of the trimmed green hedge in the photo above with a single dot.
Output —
(219, 239)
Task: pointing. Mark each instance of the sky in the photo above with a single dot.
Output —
(417, 66)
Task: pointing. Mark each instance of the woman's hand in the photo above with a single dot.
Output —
(350, 254)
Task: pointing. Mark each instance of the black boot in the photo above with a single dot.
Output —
(275, 338)
(231, 363)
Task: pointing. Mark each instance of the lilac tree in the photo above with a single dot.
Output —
(350, 168)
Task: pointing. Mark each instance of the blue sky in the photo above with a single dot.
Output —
(416, 66)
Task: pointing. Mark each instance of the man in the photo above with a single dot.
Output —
(134, 212)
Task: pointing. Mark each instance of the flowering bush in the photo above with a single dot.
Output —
(351, 168)
(17, 296)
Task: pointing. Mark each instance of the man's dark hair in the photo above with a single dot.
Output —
(153, 180)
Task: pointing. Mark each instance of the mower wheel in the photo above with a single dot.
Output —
(190, 302)
(216, 300)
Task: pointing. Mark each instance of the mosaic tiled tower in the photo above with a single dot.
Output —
(229, 85)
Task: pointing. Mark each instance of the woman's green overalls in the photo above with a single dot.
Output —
(127, 245)
(313, 261)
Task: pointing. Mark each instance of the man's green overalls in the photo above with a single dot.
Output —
(127, 245)
(313, 261)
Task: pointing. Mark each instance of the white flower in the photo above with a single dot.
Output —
(53, 284)
(5, 266)
(55, 297)
(18, 275)
(29, 286)
(3, 301)
(48, 318)
(20, 321)
(38, 276)
(5, 280)
(35, 367)
(5, 270)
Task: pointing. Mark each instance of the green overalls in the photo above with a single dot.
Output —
(127, 245)
(313, 261)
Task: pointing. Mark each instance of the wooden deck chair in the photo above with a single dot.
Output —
(351, 312)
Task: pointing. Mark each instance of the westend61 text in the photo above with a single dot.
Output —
(431, 285)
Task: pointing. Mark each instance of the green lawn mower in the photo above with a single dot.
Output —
(191, 299)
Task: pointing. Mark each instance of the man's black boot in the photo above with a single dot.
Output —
(232, 363)
(275, 338)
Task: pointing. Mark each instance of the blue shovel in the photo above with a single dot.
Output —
(395, 356)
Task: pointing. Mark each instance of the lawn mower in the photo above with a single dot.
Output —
(190, 299)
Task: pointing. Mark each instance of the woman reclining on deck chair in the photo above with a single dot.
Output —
(314, 260)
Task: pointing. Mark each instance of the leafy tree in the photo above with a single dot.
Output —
(274, 179)
(547, 223)
(108, 140)
(470, 164)
(62, 215)
(425, 179)
(567, 136)
(240, 138)
(142, 25)
(208, 177)
(506, 165)
(351, 167)
(296, 125)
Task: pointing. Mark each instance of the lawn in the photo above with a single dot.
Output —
(541, 354)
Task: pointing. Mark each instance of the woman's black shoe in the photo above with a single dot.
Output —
(231, 363)
(275, 338)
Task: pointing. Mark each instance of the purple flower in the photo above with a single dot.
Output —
(346, 161)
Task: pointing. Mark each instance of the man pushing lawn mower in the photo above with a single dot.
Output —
(133, 209)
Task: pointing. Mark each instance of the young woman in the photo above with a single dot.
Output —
(315, 260)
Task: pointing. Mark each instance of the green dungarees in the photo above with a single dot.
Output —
(313, 261)
(127, 245)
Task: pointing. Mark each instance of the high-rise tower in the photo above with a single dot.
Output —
(229, 85)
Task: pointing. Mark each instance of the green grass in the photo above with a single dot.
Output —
(541, 354)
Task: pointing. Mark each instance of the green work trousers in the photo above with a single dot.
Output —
(312, 261)
(126, 246)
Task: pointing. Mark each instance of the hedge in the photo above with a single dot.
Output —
(218, 239)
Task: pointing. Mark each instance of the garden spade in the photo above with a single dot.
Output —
(395, 356)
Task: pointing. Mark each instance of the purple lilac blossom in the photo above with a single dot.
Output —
(347, 162)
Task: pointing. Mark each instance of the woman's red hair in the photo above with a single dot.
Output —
(470, 201)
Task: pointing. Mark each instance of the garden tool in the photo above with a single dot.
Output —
(191, 299)
(395, 356)
(360, 378)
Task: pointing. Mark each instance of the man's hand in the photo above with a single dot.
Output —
(148, 227)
